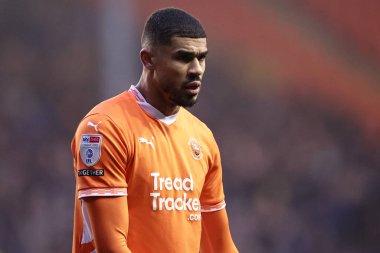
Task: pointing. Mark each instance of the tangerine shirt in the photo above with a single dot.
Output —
(168, 166)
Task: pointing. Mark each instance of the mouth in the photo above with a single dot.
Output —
(193, 88)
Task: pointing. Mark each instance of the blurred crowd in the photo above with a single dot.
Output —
(299, 176)
(48, 78)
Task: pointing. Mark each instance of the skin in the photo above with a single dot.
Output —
(109, 220)
(172, 74)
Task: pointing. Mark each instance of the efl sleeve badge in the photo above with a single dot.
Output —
(90, 148)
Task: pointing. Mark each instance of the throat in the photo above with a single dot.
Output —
(158, 101)
(152, 110)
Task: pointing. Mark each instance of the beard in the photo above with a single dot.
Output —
(178, 94)
(181, 98)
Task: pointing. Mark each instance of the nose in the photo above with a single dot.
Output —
(197, 67)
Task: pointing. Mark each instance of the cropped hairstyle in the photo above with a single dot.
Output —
(164, 24)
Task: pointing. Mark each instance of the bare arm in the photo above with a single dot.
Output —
(109, 223)
(216, 235)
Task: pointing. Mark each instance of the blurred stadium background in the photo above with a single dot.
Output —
(292, 93)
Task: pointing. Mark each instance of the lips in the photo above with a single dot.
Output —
(193, 87)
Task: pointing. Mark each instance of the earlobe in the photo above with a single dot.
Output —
(146, 59)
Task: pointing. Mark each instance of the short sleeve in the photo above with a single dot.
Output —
(212, 196)
(99, 153)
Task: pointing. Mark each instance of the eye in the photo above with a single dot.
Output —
(184, 57)
(202, 57)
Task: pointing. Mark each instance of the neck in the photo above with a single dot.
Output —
(154, 96)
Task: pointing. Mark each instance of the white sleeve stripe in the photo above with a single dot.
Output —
(213, 208)
(87, 232)
(102, 192)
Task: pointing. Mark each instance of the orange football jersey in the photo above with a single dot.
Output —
(168, 166)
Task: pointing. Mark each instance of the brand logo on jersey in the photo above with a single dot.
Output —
(90, 148)
(196, 148)
(150, 143)
(174, 185)
(95, 126)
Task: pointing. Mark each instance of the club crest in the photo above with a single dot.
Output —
(90, 148)
(196, 148)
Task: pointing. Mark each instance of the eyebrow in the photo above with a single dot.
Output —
(184, 53)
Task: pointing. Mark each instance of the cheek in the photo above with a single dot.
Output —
(174, 72)
(177, 67)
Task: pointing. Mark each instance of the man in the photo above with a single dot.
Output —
(148, 172)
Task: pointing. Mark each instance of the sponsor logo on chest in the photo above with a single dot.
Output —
(164, 185)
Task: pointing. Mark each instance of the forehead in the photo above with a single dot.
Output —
(188, 44)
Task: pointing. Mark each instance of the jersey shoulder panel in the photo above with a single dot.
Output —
(196, 122)
(116, 108)
(102, 147)
(100, 151)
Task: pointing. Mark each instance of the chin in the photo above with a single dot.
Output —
(183, 99)
(188, 102)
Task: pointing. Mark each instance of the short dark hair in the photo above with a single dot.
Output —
(164, 24)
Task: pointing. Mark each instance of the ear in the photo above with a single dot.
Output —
(146, 58)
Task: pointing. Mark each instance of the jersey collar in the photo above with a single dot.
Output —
(148, 108)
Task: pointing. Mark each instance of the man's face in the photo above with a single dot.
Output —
(179, 69)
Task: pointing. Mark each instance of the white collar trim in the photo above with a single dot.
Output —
(148, 108)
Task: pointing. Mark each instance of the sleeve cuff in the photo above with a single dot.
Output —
(213, 208)
(102, 192)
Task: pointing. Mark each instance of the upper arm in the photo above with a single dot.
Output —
(100, 156)
(109, 222)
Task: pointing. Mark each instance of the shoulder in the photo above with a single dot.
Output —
(100, 130)
(107, 117)
(203, 130)
(195, 121)
(116, 110)
(113, 107)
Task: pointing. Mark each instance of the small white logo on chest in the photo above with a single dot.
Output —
(150, 143)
